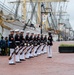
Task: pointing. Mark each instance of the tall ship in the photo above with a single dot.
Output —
(38, 16)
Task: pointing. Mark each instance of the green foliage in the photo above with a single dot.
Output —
(66, 45)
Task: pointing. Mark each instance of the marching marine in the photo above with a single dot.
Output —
(42, 44)
(38, 43)
(31, 39)
(45, 42)
(35, 44)
(12, 48)
(22, 53)
(27, 44)
(17, 42)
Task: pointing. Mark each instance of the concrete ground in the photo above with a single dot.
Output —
(60, 64)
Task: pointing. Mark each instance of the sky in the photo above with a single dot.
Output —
(70, 10)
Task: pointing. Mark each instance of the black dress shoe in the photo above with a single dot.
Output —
(18, 62)
(31, 56)
(49, 57)
(12, 64)
(22, 60)
(28, 58)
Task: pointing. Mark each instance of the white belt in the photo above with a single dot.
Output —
(10, 41)
(17, 41)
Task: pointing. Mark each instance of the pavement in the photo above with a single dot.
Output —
(59, 64)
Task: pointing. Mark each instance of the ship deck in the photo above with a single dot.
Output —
(59, 64)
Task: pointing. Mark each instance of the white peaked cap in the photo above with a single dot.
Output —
(16, 30)
(49, 31)
(11, 30)
(28, 32)
(21, 30)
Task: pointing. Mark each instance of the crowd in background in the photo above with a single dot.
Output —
(4, 47)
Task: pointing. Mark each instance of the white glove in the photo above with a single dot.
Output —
(17, 47)
(25, 44)
(28, 44)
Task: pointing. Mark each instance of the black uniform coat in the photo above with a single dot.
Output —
(42, 39)
(38, 40)
(35, 41)
(21, 39)
(11, 41)
(17, 40)
(50, 40)
(31, 39)
(45, 39)
(27, 39)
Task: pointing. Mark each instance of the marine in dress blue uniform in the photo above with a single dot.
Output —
(17, 42)
(22, 53)
(12, 47)
(50, 39)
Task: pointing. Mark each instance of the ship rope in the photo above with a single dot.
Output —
(3, 4)
(13, 7)
(66, 6)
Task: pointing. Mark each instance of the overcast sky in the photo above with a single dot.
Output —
(70, 10)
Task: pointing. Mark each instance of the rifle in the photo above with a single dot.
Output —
(32, 45)
(32, 49)
(19, 50)
(23, 50)
(37, 48)
(28, 50)
(43, 47)
(12, 54)
(15, 51)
